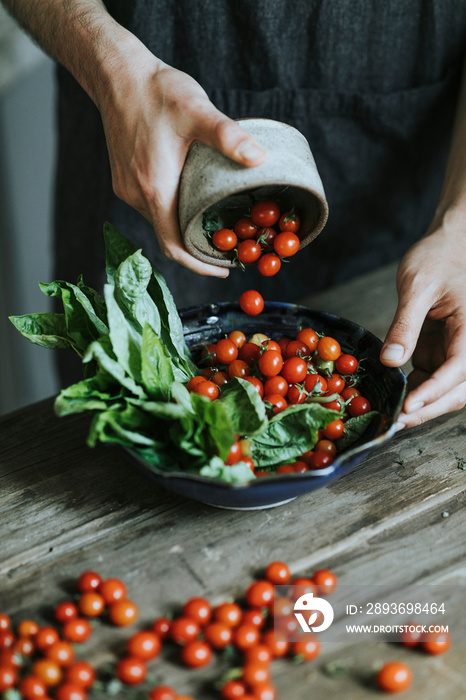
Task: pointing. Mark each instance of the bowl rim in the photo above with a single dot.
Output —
(338, 465)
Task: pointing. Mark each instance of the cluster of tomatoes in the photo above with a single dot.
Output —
(253, 239)
(308, 368)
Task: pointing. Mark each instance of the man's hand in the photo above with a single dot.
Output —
(152, 114)
(430, 324)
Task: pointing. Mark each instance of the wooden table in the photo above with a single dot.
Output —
(399, 517)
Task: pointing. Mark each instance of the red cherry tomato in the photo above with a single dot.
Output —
(276, 385)
(235, 454)
(260, 594)
(31, 687)
(208, 389)
(66, 611)
(45, 637)
(265, 213)
(48, 671)
(311, 382)
(358, 406)
(198, 609)
(229, 613)
(61, 652)
(161, 627)
(24, 646)
(435, 643)
(257, 384)
(325, 580)
(220, 378)
(255, 674)
(80, 673)
(196, 654)
(91, 604)
(266, 237)
(254, 616)
(328, 348)
(277, 572)
(250, 353)
(239, 368)
(411, 637)
(194, 381)
(335, 384)
(294, 370)
(349, 393)
(227, 351)
(306, 649)
(70, 691)
(238, 338)
(276, 641)
(245, 228)
(77, 630)
(251, 302)
(184, 630)
(234, 690)
(112, 589)
(346, 364)
(319, 460)
(218, 635)
(269, 264)
(277, 403)
(249, 251)
(89, 581)
(8, 677)
(309, 337)
(225, 239)
(131, 670)
(123, 613)
(286, 244)
(5, 622)
(296, 347)
(245, 636)
(271, 363)
(326, 446)
(144, 645)
(394, 677)
(334, 430)
(260, 654)
(289, 221)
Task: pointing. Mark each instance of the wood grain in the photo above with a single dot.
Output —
(65, 507)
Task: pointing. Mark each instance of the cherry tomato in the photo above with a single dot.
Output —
(257, 384)
(335, 384)
(315, 381)
(319, 460)
(435, 643)
(289, 221)
(238, 338)
(334, 430)
(326, 446)
(294, 370)
(27, 628)
(300, 466)
(80, 673)
(198, 609)
(346, 364)
(24, 646)
(276, 385)
(394, 677)
(229, 613)
(300, 586)
(296, 348)
(282, 606)
(296, 394)
(239, 368)
(70, 691)
(259, 654)
(194, 381)
(234, 690)
(254, 616)
(309, 337)
(7, 639)
(285, 469)
(245, 228)
(45, 637)
(358, 406)
(112, 589)
(184, 630)
(265, 691)
(225, 239)
(131, 670)
(31, 687)
(287, 624)
(48, 671)
(277, 572)
(278, 403)
(196, 654)
(5, 622)
(8, 677)
(249, 251)
(245, 636)
(218, 635)
(271, 363)
(276, 641)
(255, 673)
(77, 630)
(227, 351)
(61, 652)
(260, 594)
(336, 405)
(66, 611)
(286, 244)
(411, 638)
(220, 378)
(251, 302)
(235, 454)
(266, 237)
(269, 264)
(349, 393)
(208, 389)
(144, 645)
(123, 613)
(325, 580)
(306, 649)
(328, 348)
(265, 213)
(89, 581)
(8, 657)
(209, 356)
(91, 604)
(250, 353)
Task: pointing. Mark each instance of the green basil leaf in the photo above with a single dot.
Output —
(92, 394)
(131, 280)
(46, 329)
(245, 407)
(157, 371)
(126, 340)
(129, 426)
(101, 352)
(117, 249)
(216, 422)
(238, 473)
(354, 428)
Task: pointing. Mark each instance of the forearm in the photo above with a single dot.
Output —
(81, 35)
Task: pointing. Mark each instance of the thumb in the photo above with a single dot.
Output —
(228, 137)
(404, 331)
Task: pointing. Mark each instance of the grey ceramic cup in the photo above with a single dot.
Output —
(211, 182)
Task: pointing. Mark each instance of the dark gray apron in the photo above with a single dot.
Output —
(372, 85)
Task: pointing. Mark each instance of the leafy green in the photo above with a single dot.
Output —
(46, 329)
(234, 474)
(354, 428)
(245, 407)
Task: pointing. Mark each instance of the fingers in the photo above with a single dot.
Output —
(453, 400)
(228, 137)
(404, 331)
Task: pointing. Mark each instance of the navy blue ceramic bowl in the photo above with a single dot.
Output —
(385, 388)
